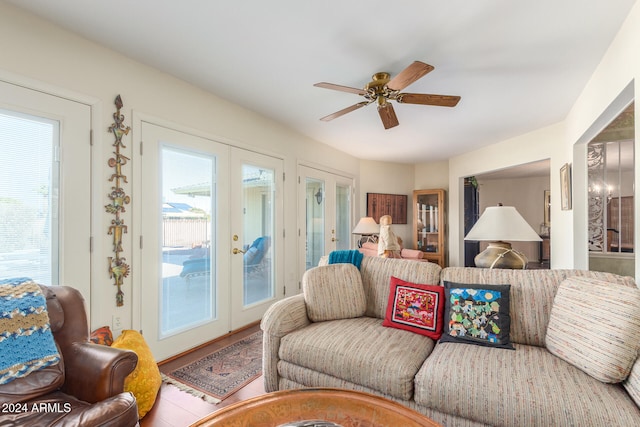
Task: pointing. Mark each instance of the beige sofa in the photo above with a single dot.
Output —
(331, 335)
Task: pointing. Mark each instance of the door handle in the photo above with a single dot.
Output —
(333, 239)
(237, 251)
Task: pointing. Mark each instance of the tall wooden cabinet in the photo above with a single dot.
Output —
(429, 226)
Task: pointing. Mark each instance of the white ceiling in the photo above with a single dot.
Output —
(528, 170)
(517, 65)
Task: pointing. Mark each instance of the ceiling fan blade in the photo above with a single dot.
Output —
(409, 75)
(344, 111)
(326, 85)
(427, 99)
(388, 115)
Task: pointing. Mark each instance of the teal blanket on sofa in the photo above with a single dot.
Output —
(26, 341)
(346, 257)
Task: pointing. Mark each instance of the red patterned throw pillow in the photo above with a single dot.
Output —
(102, 336)
(415, 307)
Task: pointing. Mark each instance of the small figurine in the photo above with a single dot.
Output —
(388, 245)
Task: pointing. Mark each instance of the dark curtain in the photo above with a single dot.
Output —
(471, 215)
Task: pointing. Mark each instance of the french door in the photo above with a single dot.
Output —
(256, 223)
(325, 214)
(209, 215)
(45, 188)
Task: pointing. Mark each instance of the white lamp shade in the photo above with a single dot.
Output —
(366, 225)
(502, 223)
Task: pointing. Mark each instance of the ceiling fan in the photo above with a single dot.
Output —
(383, 89)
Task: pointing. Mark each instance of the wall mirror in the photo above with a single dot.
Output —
(610, 169)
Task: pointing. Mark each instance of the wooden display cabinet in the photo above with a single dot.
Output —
(429, 226)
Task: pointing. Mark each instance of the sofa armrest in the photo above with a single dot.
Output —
(96, 372)
(281, 318)
(285, 316)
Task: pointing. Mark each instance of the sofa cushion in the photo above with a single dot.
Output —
(377, 271)
(411, 253)
(477, 314)
(415, 307)
(595, 326)
(333, 292)
(526, 387)
(632, 383)
(529, 320)
(60, 409)
(360, 351)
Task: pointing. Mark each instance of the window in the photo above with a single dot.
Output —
(29, 173)
(45, 188)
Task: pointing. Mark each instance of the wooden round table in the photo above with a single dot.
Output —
(344, 408)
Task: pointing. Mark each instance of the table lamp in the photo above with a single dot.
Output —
(497, 225)
(368, 229)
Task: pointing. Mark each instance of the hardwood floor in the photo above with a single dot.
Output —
(176, 408)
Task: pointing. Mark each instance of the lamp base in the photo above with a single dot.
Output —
(373, 238)
(501, 255)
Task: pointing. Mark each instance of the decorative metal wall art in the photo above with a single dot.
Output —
(596, 160)
(118, 268)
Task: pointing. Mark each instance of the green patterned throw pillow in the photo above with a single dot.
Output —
(477, 314)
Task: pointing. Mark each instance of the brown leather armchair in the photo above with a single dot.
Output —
(85, 388)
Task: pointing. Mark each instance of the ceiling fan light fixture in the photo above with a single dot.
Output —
(383, 88)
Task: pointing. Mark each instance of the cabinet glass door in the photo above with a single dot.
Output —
(428, 226)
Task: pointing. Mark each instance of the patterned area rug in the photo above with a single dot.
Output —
(218, 375)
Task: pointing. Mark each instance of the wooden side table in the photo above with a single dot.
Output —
(346, 408)
(545, 250)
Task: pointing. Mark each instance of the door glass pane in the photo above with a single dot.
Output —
(258, 186)
(315, 215)
(343, 217)
(188, 240)
(29, 178)
(611, 196)
(611, 176)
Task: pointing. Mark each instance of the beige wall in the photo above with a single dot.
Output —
(604, 96)
(40, 55)
(526, 195)
(36, 53)
(562, 143)
(538, 145)
(391, 178)
(432, 175)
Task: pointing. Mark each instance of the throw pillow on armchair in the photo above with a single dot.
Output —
(144, 382)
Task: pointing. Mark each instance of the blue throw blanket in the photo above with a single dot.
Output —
(346, 257)
(26, 341)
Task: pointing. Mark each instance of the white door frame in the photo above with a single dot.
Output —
(225, 232)
(166, 345)
(242, 315)
(76, 160)
(331, 179)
